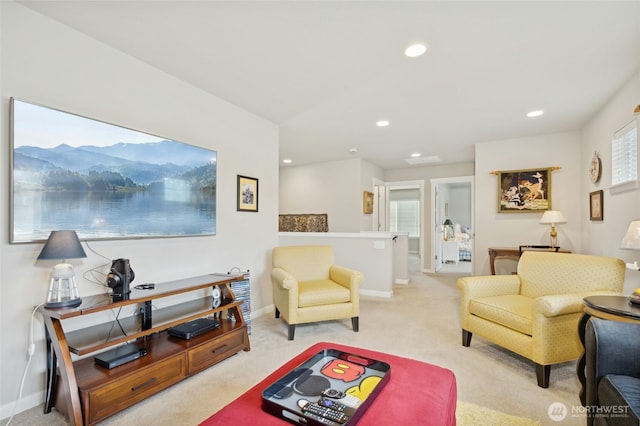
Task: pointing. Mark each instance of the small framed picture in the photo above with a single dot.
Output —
(367, 202)
(596, 206)
(247, 196)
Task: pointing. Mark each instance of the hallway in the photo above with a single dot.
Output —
(461, 267)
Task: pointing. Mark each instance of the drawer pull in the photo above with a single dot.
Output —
(147, 383)
(219, 348)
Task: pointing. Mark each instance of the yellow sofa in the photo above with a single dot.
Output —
(309, 287)
(535, 313)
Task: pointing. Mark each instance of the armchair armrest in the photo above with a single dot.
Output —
(488, 285)
(283, 279)
(611, 347)
(346, 277)
(350, 279)
(484, 286)
(561, 304)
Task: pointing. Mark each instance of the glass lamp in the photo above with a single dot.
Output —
(63, 291)
(631, 241)
(553, 217)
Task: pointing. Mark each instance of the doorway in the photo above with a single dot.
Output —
(452, 221)
(401, 209)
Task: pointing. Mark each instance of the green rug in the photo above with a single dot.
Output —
(468, 414)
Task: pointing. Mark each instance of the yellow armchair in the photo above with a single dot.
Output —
(536, 312)
(308, 287)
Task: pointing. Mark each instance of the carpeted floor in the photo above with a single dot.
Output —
(421, 321)
(468, 414)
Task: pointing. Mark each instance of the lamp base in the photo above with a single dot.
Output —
(70, 303)
(63, 292)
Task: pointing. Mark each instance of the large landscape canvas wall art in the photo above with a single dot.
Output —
(105, 181)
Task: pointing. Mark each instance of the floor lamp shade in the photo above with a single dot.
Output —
(63, 291)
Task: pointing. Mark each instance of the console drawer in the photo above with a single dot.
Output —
(103, 401)
(214, 351)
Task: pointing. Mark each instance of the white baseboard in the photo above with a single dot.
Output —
(260, 312)
(376, 293)
(26, 403)
(402, 281)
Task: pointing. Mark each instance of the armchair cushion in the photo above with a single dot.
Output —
(512, 311)
(321, 292)
(621, 391)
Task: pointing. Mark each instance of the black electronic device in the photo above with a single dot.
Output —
(191, 329)
(120, 278)
(120, 355)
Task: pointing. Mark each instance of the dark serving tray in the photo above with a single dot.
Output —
(360, 378)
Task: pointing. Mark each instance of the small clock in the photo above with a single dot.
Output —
(596, 168)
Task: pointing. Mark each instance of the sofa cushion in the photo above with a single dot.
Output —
(544, 273)
(321, 292)
(615, 392)
(513, 311)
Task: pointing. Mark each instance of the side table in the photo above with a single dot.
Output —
(514, 253)
(615, 308)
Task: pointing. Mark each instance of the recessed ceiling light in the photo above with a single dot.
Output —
(536, 113)
(423, 160)
(382, 123)
(415, 50)
(353, 150)
(415, 155)
(287, 161)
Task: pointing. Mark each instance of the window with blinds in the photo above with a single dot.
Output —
(404, 216)
(624, 157)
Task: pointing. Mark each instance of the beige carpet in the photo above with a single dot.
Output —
(421, 322)
(468, 414)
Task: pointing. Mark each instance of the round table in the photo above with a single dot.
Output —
(615, 308)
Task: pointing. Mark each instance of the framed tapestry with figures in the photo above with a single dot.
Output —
(524, 191)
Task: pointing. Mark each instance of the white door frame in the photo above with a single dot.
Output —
(384, 225)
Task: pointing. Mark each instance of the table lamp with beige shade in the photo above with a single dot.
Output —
(553, 217)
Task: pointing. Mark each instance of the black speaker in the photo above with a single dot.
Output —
(120, 278)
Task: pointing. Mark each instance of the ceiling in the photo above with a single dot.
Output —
(326, 71)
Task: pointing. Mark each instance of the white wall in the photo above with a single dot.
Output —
(603, 238)
(368, 174)
(47, 63)
(379, 256)
(334, 187)
(513, 229)
(460, 204)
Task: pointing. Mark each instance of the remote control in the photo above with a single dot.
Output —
(343, 398)
(327, 413)
(331, 403)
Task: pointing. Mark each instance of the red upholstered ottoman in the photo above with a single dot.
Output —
(417, 393)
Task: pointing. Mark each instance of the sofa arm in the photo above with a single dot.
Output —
(484, 286)
(283, 279)
(489, 285)
(554, 305)
(346, 277)
(561, 304)
(611, 347)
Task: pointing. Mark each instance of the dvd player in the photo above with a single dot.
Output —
(120, 355)
(191, 329)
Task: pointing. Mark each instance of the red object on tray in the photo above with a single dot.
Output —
(417, 393)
